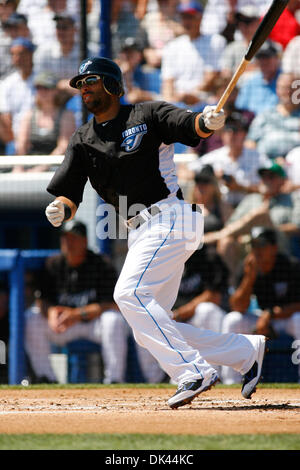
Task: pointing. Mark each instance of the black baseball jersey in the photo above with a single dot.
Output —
(91, 282)
(204, 270)
(280, 286)
(130, 155)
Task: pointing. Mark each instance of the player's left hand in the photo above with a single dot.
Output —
(213, 120)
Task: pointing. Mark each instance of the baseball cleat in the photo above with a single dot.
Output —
(189, 390)
(252, 377)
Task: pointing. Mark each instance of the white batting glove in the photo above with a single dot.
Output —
(55, 213)
(212, 120)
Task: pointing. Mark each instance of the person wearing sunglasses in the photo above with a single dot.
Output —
(127, 154)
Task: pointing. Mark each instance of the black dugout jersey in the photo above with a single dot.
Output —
(128, 156)
(91, 282)
(204, 270)
(279, 287)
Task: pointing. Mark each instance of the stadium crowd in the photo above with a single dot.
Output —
(247, 176)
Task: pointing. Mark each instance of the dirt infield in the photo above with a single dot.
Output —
(133, 410)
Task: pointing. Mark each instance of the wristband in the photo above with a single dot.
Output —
(67, 212)
(84, 316)
(271, 312)
(203, 127)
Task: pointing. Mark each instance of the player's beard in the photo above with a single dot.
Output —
(99, 104)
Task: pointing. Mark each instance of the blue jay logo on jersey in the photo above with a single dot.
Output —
(133, 137)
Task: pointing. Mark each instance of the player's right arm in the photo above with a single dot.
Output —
(67, 185)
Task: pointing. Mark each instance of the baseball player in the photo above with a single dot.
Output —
(127, 151)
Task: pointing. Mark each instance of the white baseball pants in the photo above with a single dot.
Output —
(147, 289)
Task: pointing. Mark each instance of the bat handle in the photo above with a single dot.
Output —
(239, 71)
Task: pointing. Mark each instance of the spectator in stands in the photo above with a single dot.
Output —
(270, 206)
(62, 55)
(47, 127)
(215, 209)
(215, 141)
(287, 26)
(219, 15)
(93, 20)
(247, 19)
(258, 93)
(77, 302)
(162, 25)
(126, 17)
(129, 60)
(273, 278)
(276, 131)
(41, 19)
(291, 57)
(17, 90)
(190, 63)
(292, 166)
(219, 18)
(7, 8)
(234, 164)
(16, 26)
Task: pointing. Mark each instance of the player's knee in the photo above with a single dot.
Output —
(34, 319)
(122, 295)
(232, 322)
(112, 317)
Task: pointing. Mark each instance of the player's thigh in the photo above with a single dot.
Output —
(236, 322)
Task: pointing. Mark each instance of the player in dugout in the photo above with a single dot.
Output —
(126, 151)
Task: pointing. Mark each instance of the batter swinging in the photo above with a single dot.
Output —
(126, 150)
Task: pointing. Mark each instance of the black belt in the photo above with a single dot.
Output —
(139, 219)
(196, 208)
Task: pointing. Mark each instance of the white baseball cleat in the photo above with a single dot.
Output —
(252, 377)
(189, 390)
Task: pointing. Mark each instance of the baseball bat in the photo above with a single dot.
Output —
(264, 29)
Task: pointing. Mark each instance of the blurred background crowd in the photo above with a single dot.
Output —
(247, 176)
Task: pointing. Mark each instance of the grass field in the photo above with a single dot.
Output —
(148, 442)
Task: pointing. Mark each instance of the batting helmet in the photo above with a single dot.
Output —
(109, 71)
